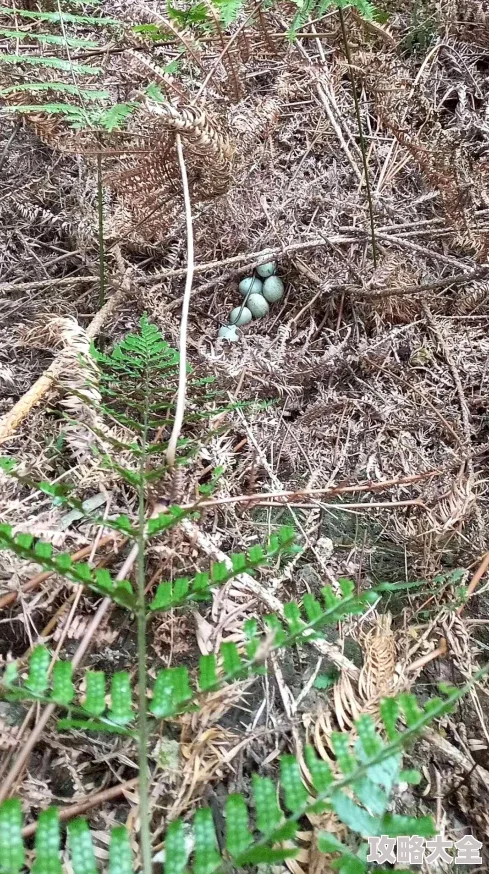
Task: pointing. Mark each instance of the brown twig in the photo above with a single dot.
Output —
(36, 581)
(329, 490)
(88, 803)
(420, 663)
(481, 570)
(34, 395)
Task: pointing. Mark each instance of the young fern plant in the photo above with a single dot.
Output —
(359, 793)
(134, 391)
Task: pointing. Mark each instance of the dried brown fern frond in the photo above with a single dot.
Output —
(149, 69)
(469, 19)
(407, 109)
(256, 122)
(397, 309)
(150, 184)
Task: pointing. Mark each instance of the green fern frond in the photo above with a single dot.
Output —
(360, 799)
(62, 87)
(315, 9)
(49, 38)
(176, 593)
(57, 17)
(100, 580)
(74, 114)
(173, 690)
(52, 63)
(228, 10)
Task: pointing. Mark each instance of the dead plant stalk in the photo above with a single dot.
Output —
(182, 367)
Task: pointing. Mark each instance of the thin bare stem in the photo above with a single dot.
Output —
(363, 147)
(101, 249)
(143, 734)
(182, 372)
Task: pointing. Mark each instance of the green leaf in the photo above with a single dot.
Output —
(231, 659)
(10, 674)
(11, 843)
(394, 826)
(321, 773)
(114, 117)
(411, 775)
(347, 587)
(327, 680)
(266, 855)
(37, 680)
(120, 695)
(312, 608)
(293, 617)
(353, 816)
(238, 835)
(411, 709)
(48, 843)
(63, 688)
(369, 743)
(120, 853)
(56, 17)
(176, 850)
(229, 10)
(389, 711)
(296, 794)
(371, 795)
(206, 857)
(81, 847)
(268, 813)
(49, 38)
(170, 691)
(94, 703)
(7, 465)
(207, 672)
(348, 862)
(341, 745)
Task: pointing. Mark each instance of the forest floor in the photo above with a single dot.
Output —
(378, 376)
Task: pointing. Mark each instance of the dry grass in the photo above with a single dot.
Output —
(373, 380)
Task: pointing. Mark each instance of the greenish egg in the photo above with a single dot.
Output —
(273, 289)
(250, 285)
(266, 270)
(257, 305)
(240, 316)
(229, 332)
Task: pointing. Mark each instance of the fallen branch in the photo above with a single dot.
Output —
(10, 422)
(313, 493)
(88, 803)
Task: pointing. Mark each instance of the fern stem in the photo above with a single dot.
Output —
(363, 147)
(101, 248)
(182, 365)
(144, 811)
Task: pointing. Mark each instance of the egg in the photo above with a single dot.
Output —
(266, 270)
(250, 285)
(240, 316)
(257, 305)
(229, 332)
(273, 289)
